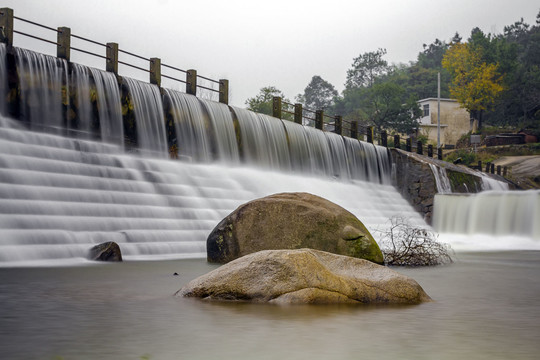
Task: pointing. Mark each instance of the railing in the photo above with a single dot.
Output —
(300, 115)
(112, 50)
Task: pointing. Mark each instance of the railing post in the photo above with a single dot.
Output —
(298, 113)
(492, 168)
(488, 166)
(480, 165)
(63, 46)
(419, 148)
(191, 82)
(408, 145)
(397, 142)
(112, 58)
(6, 25)
(430, 150)
(155, 71)
(354, 129)
(319, 119)
(338, 125)
(384, 138)
(505, 171)
(439, 153)
(276, 107)
(369, 134)
(499, 168)
(224, 91)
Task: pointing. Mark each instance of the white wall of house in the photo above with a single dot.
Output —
(455, 121)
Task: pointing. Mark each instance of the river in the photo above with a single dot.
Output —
(486, 307)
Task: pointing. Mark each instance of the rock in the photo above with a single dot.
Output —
(107, 251)
(291, 221)
(305, 276)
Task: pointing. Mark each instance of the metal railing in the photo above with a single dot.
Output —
(63, 46)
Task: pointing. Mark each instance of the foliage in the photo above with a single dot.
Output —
(319, 94)
(366, 68)
(386, 110)
(475, 83)
(263, 102)
(406, 245)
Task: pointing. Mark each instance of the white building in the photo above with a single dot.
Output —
(455, 121)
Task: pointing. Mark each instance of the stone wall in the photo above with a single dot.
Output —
(415, 180)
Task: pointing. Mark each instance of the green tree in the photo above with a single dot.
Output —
(263, 102)
(475, 83)
(366, 68)
(386, 109)
(319, 94)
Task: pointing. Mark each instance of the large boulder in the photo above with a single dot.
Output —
(107, 251)
(305, 276)
(291, 221)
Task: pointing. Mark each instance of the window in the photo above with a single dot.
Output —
(426, 110)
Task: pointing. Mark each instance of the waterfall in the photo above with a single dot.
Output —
(3, 79)
(108, 106)
(43, 84)
(60, 195)
(507, 218)
(150, 123)
(441, 179)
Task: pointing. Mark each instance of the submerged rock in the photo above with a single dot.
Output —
(305, 276)
(291, 221)
(107, 251)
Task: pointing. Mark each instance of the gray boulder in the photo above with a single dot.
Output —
(291, 221)
(107, 251)
(305, 276)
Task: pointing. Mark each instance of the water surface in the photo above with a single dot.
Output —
(486, 307)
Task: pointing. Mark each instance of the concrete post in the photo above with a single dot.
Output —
(63, 49)
(276, 107)
(338, 127)
(408, 146)
(505, 171)
(191, 82)
(384, 138)
(480, 165)
(112, 58)
(492, 168)
(319, 119)
(369, 134)
(224, 91)
(439, 153)
(6, 25)
(499, 168)
(155, 71)
(298, 113)
(430, 150)
(419, 148)
(354, 129)
(397, 142)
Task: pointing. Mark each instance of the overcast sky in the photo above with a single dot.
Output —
(260, 43)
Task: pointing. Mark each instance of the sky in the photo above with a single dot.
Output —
(253, 44)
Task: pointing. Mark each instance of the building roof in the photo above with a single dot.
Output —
(435, 99)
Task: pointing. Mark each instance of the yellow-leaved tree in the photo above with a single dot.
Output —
(475, 83)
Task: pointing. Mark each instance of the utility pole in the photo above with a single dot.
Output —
(438, 110)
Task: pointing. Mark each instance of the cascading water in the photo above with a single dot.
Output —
(150, 123)
(44, 89)
(441, 179)
(490, 219)
(3, 79)
(59, 195)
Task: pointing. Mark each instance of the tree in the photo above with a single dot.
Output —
(406, 245)
(319, 94)
(386, 108)
(263, 102)
(366, 68)
(475, 84)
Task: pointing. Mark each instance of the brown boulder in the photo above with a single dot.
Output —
(291, 221)
(305, 276)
